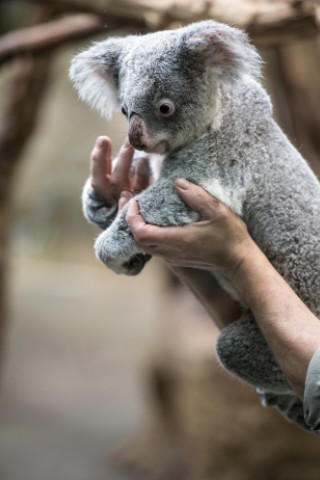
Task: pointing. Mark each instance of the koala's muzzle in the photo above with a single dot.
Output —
(138, 136)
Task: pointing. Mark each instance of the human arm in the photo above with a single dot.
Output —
(289, 327)
(220, 240)
(222, 308)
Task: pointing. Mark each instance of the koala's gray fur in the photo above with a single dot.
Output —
(220, 136)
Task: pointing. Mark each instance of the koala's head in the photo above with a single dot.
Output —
(167, 83)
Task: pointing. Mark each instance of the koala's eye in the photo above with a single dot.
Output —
(166, 108)
(124, 111)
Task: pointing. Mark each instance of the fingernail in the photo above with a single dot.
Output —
(101, 142)
(182, 183)
(131, 205)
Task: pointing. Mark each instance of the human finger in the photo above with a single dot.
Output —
(100, 165)
(142, 175)
(124, 198)
(121, 173)
(146, 234)
(199, 200)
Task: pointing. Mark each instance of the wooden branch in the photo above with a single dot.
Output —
(104, 10)
(77, 6)
(286, 25)
(267, 21)
(26, 86)
(48, 36)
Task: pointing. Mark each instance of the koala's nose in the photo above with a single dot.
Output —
(137, 131)
(137, 143)
(132, 114)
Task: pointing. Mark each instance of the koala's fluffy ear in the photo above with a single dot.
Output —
(226, 49)
(94, 73)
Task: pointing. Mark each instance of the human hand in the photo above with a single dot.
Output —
(219, 240)
(110, 186)
(122, 182)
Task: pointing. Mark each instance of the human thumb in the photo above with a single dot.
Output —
(198, 199)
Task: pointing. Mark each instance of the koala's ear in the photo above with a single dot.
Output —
(226, 49)
(94, 74)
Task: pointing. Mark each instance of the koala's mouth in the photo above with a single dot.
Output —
(160, 147)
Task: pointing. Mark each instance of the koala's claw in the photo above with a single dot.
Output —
(135, 264)
(117, 249)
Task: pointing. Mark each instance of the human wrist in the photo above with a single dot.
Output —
(245, 256)
(252, 274)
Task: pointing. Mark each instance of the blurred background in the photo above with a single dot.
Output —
(108, 377)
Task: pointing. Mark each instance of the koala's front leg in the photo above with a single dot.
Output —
(118, 250)
(95, 208)
(160, 205)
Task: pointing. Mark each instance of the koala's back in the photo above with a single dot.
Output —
(282, 212)
(280, 194)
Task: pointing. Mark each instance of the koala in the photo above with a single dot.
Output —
(193, 96)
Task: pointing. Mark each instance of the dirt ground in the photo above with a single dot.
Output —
(72, 389)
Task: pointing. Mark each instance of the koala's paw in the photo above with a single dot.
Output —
(95, 208)
(119, 252)
(242, 350)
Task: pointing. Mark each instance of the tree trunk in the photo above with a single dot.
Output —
(18, 120)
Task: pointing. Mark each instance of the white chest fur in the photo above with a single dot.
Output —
(230, 196)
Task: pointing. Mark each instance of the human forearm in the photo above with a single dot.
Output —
(222, 308)
(289, 327)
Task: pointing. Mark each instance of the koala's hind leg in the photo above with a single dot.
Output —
(242, 350)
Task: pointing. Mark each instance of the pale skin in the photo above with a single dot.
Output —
(220, 241)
